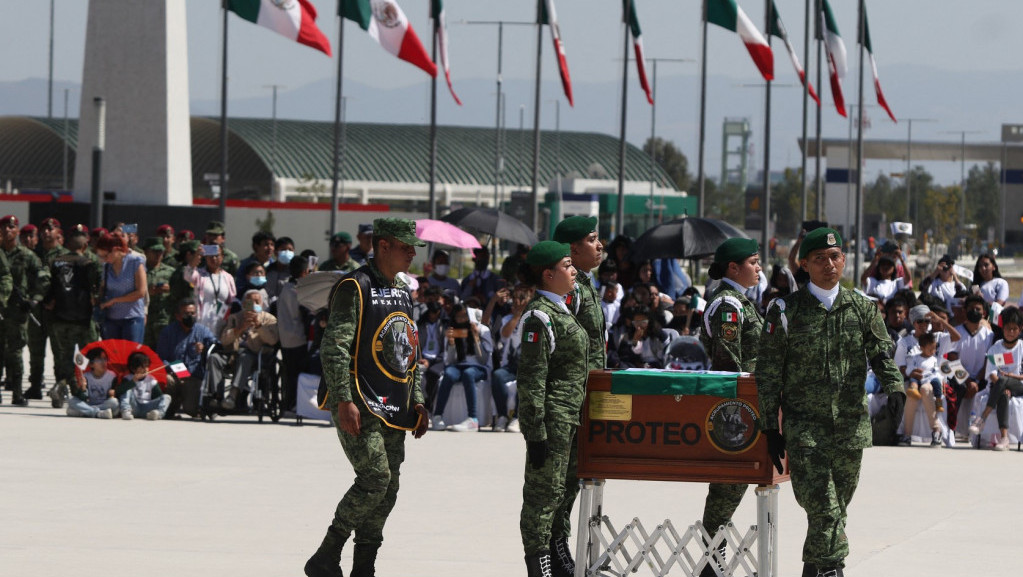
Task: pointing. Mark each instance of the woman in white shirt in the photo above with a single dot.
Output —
(989, 281)
(945, 283)
(883, 284)
(214, 290)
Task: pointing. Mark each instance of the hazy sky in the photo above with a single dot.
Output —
(951, 35)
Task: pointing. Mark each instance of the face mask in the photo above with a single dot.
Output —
(257, 308)
(442, 269)
(285, 256)
(974, 316)
(188, 321)
(257, 280)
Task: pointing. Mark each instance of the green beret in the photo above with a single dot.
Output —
(215, 227)
(819, 238)
(153, 243)
(547, 252)
(402, 229)
(736, 250)
(190, 246)
(575, 228)
(340, 237)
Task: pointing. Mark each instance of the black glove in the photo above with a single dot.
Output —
(536, 452)
(776, 448)
(897, 406)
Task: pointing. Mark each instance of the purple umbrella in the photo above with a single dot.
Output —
(442, 232)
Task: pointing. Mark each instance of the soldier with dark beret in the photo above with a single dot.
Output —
(815, 349)
(370, 351)
(731, 336)
(340, 255)
(555, 347)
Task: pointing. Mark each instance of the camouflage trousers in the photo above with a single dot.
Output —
(37, 336)
(13, 336)
(63, 340)
(376, 456)
(823, 482)
(722, 501)
(549, 492)
(153, 327)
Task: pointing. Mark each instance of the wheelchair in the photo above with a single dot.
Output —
(265, 394)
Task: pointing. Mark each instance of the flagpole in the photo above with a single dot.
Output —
(858, 262)
(536, 121)
(765, 233)
(818, 37)
(620, 211)
(433, 123)
(806, 104)
(223, 121)
(701, 177)
(336, 164)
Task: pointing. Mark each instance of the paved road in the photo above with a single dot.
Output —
(109, 498)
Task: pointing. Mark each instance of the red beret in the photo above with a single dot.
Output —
(28, 229)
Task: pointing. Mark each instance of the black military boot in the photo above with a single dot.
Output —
(326, 561)
(34, 392)
(538, 565)
(809, 570)
(562, 564)
(18, 399)
(364, 560)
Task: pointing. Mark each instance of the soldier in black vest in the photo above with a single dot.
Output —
(371, 386)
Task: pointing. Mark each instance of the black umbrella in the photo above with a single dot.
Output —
(690, 237)
(490, 221)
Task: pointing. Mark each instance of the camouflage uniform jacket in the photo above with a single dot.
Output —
(813, 364)
(231, 261)
(161, 307)
(584, 301)
(31, 282)
(48, 256)
(346, 268)
(553, 365)
(6, 281)
(339, 340)
(731, 330)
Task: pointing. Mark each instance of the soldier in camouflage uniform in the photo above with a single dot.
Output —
(731, 335)
(158, 275)
(813, 359)
(51, 246)
(580, 233)
(555, 347)
(371, 385)
(30, 283)
(170, 255)
(215, 235)
(75, 279)
(340, 244)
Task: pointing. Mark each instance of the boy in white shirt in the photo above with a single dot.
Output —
(140, 394)
(1004, 375)
(925, 384)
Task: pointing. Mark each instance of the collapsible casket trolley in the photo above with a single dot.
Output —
(646, 425)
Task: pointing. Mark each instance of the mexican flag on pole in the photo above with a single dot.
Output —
(637, 43)
(293, 19)
(873, 66)
(387, 24)
(549, 17)
(437, 13)
(836, 55)
(727, 14)
(778, 30)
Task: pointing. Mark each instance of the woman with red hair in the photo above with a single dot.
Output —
(123, 299)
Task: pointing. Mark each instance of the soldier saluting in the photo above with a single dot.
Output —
(554, 348)
(814, 352)
(370, 350)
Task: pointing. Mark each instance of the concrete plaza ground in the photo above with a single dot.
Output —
(89, 497)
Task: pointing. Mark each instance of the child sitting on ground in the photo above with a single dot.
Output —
(929, 364)
(140, 394)
(93, 394)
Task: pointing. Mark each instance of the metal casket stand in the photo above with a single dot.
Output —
(661, 426)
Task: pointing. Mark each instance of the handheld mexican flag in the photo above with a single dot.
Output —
(179, 369)
(836, 55)
(727, 14)
(549, 17)
(387, 24)
(294, 19)
(637, 43)
(80, 360)
(778, 30)
(873, 66)
(1002, 360)
(437, 13)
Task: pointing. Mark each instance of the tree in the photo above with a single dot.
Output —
(984, 199)
(672, 161)
(787, 203)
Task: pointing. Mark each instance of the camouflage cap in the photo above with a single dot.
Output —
(547, 252)
(190, 246)
(402, 229)
(153, 243)
(215, 227)
(575, 228)
(341, 237)
(819, 238)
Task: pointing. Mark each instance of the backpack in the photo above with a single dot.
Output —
(69, 287)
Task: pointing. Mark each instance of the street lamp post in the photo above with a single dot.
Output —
(273, 138)
(962, 180)
(653, 128)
